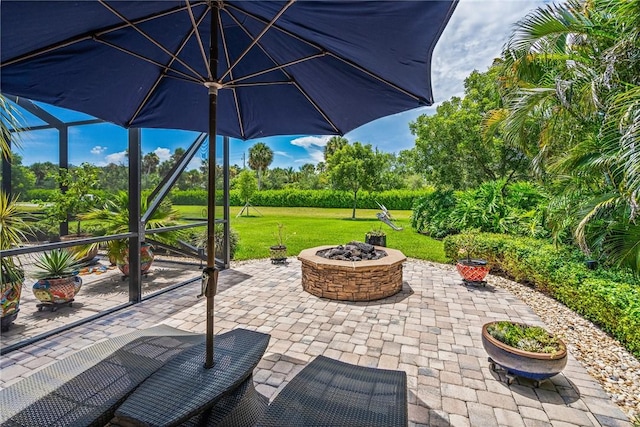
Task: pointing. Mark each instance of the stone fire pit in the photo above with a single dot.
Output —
(351, 280)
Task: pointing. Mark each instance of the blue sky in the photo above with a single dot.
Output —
(474, 37)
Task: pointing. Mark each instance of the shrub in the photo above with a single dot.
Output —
(392, 199)
(431, 214)
(609, 298)
(493, 207)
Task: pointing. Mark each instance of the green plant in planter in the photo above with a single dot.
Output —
(472, 270)
(13, 230)
(524, 337)
(278, 252)
(113, 217)
(468, 245)
(56, 264)
(199, 239)
(58, 282)
(376, 237)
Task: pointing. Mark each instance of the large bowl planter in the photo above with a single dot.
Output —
(53, 292)
(10, 302)
(535, 366)
(146, 259)
(473, 271)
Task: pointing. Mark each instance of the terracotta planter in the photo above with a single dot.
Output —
(10, 303)
(57, 291)
(535, 366)
(146, 259)
(278, 254)
(474, 270)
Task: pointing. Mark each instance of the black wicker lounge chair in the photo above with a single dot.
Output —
(183, 391)
(330, 393)
(85, 388)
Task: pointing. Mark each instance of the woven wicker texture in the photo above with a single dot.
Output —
(241, 408)
(183, 387)
(85, 388)
(328, 392)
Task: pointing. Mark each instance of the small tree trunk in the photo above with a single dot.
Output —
(355, 202)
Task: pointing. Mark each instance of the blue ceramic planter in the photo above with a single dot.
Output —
(535, 366)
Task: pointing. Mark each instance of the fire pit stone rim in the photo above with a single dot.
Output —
(394, 256)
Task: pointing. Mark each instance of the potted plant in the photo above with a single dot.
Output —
(13, 231)
(113, 217)
(58, 280)
(523, 350)
(278, 252)
(376, 237)
(472, 270)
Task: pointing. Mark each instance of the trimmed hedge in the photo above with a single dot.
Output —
(392, 199)
(609, 298)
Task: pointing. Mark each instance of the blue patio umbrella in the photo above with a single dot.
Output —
(244, 69)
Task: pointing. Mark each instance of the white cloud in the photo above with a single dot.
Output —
(283, 154)
(98, 150)
(474, 36)
(195, 163)
(307, 142)
(117, 158)
(315, 157)
(163, 153)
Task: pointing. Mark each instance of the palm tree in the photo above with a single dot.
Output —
(260, 157)
(571, 83)
(150, 163)
(334, 144)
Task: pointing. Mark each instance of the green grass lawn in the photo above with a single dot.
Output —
(308, 227)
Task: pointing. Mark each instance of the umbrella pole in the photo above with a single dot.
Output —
(210, 275)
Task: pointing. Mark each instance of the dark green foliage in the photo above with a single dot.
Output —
(199, 239)
(524, 337)
(56, 264)
(431, 214)
(392, 199)
(494, 206)
(609, 298)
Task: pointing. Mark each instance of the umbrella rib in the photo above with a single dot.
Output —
(151, 39)
(233, 91)
(254, 41)
(277, 67)
(168, 67)
(149, 60)
(291, 80)
(317, 107)
(202, 51)
(332, 54)
(85, 37)
(379, 78)
(233, 86)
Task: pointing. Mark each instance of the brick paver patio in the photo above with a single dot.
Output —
(431, 330)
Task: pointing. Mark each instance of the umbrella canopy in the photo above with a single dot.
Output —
(307, 67)
(243, 69)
